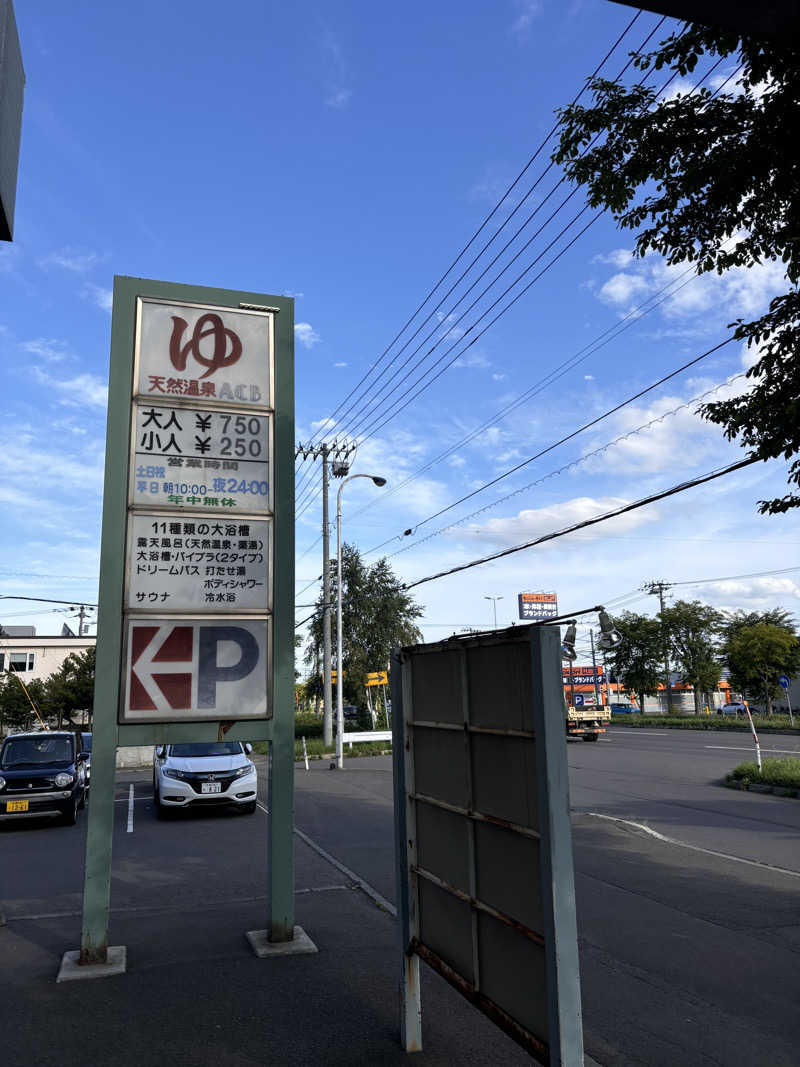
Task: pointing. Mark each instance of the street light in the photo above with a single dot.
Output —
(494, 600)
(340, 651)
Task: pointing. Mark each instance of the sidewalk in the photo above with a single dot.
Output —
(195, 994)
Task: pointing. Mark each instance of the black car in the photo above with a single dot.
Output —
(42, 773)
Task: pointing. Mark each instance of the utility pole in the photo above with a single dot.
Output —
(658, 589)
(594, 670)
(341, 466)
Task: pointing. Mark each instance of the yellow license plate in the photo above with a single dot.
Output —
(16, 805)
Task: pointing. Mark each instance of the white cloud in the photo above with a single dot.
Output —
(323, 424)
(47, 348)
(588, 377)
(456, 461)
(499, 377)
(341, 363)
(306, 334)
(339, 98)
(531, 523)
(84, 390)
(103, 298)
(71, 259)
(472, 359)
(527, 12)
(618, 257)
(742, 291)
(297, 296)
(338, 89)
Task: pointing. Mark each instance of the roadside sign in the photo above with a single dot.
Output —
(199, 531)
(195, 636)
(378, 678)
(784, 681)
(579, 700)
(198, 563)
(537, 606)
(211, 668)
(485, 884)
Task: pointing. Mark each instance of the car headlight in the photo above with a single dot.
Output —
(242, 771)
(2, 782)
(171, 772)
(63, 780)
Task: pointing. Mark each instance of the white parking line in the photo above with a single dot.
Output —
(130, 810)
(749, 748)
(694, 848)
(364, 886)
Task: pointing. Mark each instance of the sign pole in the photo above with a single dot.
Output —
(97, 872)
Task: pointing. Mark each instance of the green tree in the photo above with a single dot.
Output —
(710, 179)
(758, 647)
(70, 689)
(690, 630)
(637, 659)
(16, 712)
(377, 615)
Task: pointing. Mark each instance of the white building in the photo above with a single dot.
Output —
(37, 657)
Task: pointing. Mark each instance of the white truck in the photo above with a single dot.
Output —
(586, 722)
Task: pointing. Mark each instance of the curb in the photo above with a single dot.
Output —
(759, 787)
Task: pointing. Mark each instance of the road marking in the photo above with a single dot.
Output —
(356, 879)
(130, 810)
(737, 748)
(694, 848)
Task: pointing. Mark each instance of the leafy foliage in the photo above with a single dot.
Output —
(709, 179)
(759, 654)
(689, 629)
(377, 615)
(638, 658)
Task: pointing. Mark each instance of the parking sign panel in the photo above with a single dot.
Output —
(179, 669)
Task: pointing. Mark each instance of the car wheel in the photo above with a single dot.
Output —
(162, 812)
(82, 801)
(70, 816)
(249, 808)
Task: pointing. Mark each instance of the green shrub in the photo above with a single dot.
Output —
(784, 772)
(706, 722)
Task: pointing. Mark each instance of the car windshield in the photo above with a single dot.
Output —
(33, 751)
(211, 748)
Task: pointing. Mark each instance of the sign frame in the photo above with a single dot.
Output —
(107, 732)
(559, 1002)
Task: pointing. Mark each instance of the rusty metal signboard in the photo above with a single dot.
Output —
(483, 841)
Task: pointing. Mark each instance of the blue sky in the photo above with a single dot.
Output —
(345, 153)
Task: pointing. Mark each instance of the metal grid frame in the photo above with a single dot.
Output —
(557, 937)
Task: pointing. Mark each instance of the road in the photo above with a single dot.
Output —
(689, 945)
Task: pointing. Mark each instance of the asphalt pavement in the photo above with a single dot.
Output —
(687, 909)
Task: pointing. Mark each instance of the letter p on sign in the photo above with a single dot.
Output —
(193, 670)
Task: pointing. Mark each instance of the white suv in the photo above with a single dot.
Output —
(197, 774)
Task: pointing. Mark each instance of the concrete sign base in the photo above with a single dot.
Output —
(71, 969)
(264, 948)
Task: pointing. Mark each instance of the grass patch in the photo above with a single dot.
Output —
(782, 772)
(316, 748)
(706, 722)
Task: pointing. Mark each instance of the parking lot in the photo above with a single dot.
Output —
(687, 910)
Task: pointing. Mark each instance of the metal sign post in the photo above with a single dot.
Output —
(195, 625)
(485, 884)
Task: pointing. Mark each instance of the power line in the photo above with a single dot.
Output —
(373, 427)
(491, 214)
(563, 440)
(735, 577)
(567, 466)
(651, 499)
